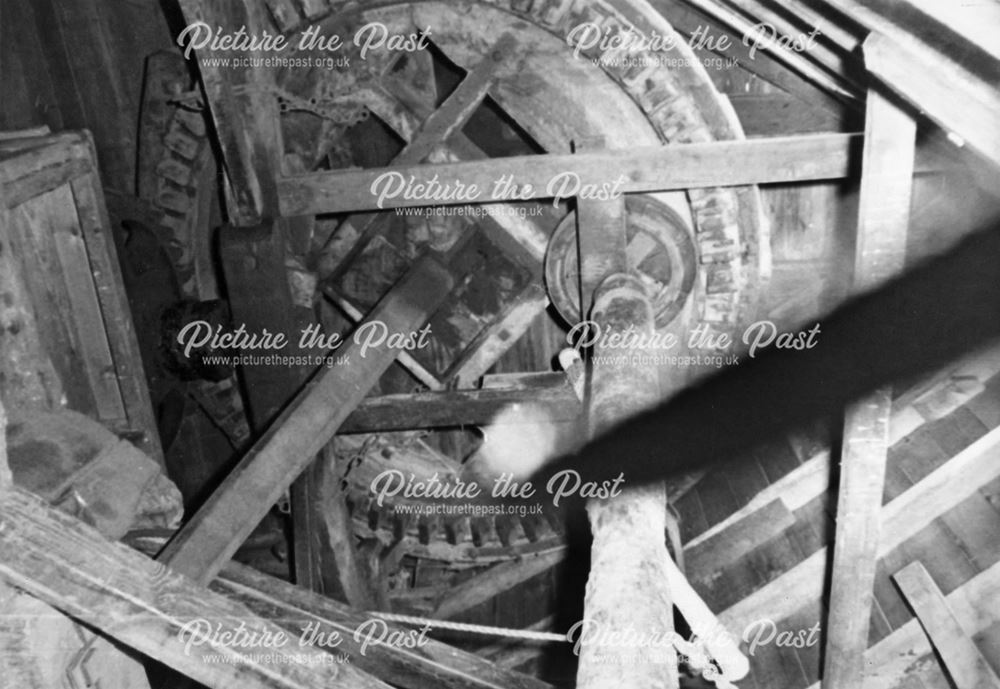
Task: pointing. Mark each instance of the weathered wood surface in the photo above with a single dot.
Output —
(35, 165)
(965, 664)
(656, 168)
(954, 386)
(214, 533)
(494, 581)
(959, 101)
(883, 220)
(901, 519)
(906, 658)
(628, 584)
(703, 559)
(460, 407)
(428, 665)
(150, 608)
(244, 112)
(437, 127)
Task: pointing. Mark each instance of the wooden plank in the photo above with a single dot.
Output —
(245, 114)
(965, 664)
(430, 665)
(601, 241)
(811, 479)
(460, 407)
(214, 533)
(151, 609)
(435, 130)
(253, 261)
(106, 271)
(688, 21)
(884, 217)
(502, 334)
(902, 518)
(974, 21)
(739, 539)
(343, 572)
(960, 102)
(907, 652)
(781, 114)
(57, 215)
(494, 581)
(645, 169)
(35, 165)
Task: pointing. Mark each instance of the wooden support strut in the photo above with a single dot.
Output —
(439, 125)
(645, 169)
(213, 534)
(160, 613)
(245, 115)
(965, 664)
(886, 186)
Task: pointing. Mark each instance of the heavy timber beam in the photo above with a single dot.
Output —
(645, 169)
(460, 407)
(627, 589)
(210, 538)
(966, 665)
(903, 518)
(884, 216)
(151, 609)
(245, 115)
(431, 665)
(438, 126)
(957, 100)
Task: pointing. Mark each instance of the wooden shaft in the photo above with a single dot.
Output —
(627, 592)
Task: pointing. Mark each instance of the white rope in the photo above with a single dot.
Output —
(693, 651)
(471, 628)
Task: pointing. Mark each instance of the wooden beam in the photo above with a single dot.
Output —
(6, 478)
(965, 664)
(958, 384)
(688, 21)
(438, 126)
(214, 533)
(960, 102)
(244, 112)
(781, 114)
(496, 580)
(902, 519)
(884, 217)
(707, 557)
(600, 231)
(343, 571)
(801, 64)
(151, 609)
(906, 656)
(431, 665)
(976, 22)
(646, 169)
(459, 407)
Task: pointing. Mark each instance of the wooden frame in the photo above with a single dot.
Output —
(59, 228)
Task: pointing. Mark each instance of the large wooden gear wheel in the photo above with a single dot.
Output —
(554, 99)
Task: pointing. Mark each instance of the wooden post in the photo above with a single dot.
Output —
(214, 533)
(6, 478)
(886, 179)
(965, 664)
